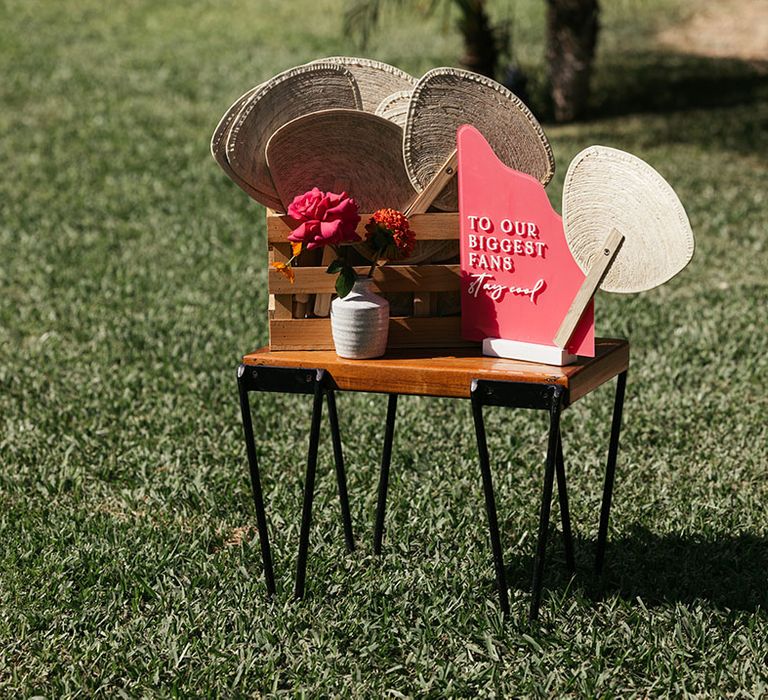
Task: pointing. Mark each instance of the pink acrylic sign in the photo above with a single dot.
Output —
(518, 277)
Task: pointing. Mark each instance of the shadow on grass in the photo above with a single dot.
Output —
(728, 571)
(709, 103)
(696, 97)
(652, 81)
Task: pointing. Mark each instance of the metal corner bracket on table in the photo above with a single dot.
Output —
(552, 398)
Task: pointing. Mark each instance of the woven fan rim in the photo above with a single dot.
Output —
(655, 183)
(507, 94)
(267, 190)
(376, 125)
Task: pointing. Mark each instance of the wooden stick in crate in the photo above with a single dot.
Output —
(423, 301)
(323, 301)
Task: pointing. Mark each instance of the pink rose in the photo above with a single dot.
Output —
(304, 207)
(326, 218)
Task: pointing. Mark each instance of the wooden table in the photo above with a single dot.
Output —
(453, 373)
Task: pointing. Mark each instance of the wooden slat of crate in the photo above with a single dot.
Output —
(395, 278)
(437, 226)
(281, 304)
(404, 332)
(289, 330)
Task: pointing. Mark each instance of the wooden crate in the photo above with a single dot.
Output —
(293, 324)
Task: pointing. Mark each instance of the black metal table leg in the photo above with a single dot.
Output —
(610, 471)
(341, 477)
(490, 503)
(546, 502)
(386, 457)
(258, 500)
(546, 396)
(309, 486)
(565, 515)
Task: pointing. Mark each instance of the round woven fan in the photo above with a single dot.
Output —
(446, 98)
(375, 79)
(318, 149)
(285, 97)
(219, 138)
(395, 107)
(219, 142)
(608, 189)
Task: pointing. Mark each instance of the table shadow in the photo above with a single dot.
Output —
(727, 570)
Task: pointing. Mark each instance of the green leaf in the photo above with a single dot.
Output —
(345, 281)
(335, 266)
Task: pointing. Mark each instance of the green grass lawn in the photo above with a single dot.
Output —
(132, 277)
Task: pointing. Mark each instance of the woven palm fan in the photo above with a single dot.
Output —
(285, 97)
(376, 80)
(446, 98)
(625, 226)
(219, 141)
(316, 149)
(395, 107)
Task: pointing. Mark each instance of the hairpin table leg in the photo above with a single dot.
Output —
(258, 500)
(309, 486)
(490, 503)
(565, 516)
(546, 502)
(386, 457)
(610, 471)
(341, 477)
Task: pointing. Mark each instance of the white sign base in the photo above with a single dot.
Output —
(530, 352)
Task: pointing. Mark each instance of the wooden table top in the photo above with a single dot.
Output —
(449, 372)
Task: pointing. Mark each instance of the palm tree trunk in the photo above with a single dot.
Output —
(572, 28)
(481, 45)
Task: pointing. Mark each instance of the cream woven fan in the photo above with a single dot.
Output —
(605, 189)
(395, 107)
(219, 142)
(625, 226)
(375, 79)
(446, 98)
(316, 149)
(219, 138)
(285, 97)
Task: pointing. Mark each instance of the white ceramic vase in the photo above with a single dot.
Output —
(360, 322)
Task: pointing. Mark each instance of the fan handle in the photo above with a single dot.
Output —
(589, 286)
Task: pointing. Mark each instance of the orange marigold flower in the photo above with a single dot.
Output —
(405, 241)
(285, 270)
(389, 232)
(392, 219)
(296, 248)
